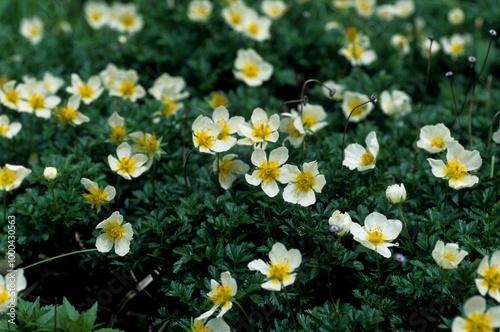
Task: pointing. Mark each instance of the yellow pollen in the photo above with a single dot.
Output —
(253, 28)
(352, 34)
(375, 235)
(86, 91)
(261, 130)
(96, 196)
(127, 88)
(114, 231)
(36, 102)
(358, 111)
(198, 327)
(12, 96)
(226, 168)
(4, 295)
(204, 138)
(292, 131)
(365, 6)
(308, 121)
(454, 170)
(67, 114)
(492, 278)
(171, 106)
(269, 171)
(274, 11)
(126, 165)
(224, 133)
(128, 20)
(201, 11)
(304, 182)
(220, 295)
(367, 159)
(148, 143)
(355, 51)
(457, 47)
(4, 128)
(250, 70)
(95, 16)
(7, 177)
(218, 100)
(449, 256)
(279, 272)
(34, 31)
(235, 18)
(478, 323)
(117, 133)
(438, 143)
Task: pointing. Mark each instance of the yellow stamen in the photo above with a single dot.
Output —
(235, 18)
(491, 278)
(358, 111)
(7, 177)
(261, 130)
(114, 231)
(67, 114)
(204, 138)
(4, 128)
(12, 97)
(4, 295)
(250, 70)
(220, 295)
(292, 131)
(375, 235)
(117, 133)
(253, 28)
(269, 171)
(218, 100)
(438, 142)
(457, 47)
(352, 34)
(127, 88)
(201, 11)
(149, 143)
(95, 16)
(126, 165)
(308, 121)
(304, 182)
(36, 102)
(226, 168)
(224, 133)
(86, 91)
(128, 20)
(478, 323)
(455, 170)
(279, 272)
(171, 106)
(96, 196)
(367, 159)
(449, 256)
(355, 51)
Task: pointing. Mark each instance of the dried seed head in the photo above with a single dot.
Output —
(374, 98)
(332, 92)
(305, 100)
(431, 38)
(472, 59)
(493, 33)
(400, 258)
(334, 228)
(449, 74)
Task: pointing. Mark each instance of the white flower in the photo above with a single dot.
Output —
(342, 221)
(386, 12)
(396, 194)
(32, 29)
(11, 284)
(435, 138)
(456, 16)
(404, 8)
(456, 45)
(52, 83)
(50, 173)
(364, 8)
(291, 123)
(117, 126)
(251, 68)
(448, 256)
(496, 136)
(8, 129)
(424, 47)
(302, 184)
(221, 295)
(458, 165)
(37, 99)
(261, 129)
(124, 18)
(96, 14)
(353, 99)
(342, 4)
(115, 231)
(273, 8)
(127, 165)
(357, 157)
(229, 125)
(213, 325)
(256, 27)
(89, 91)
(11, 176)
(268, 171)
(377, 233)
(126, 86)
(70, 112)
(280, 267)
(228, 168)
(109, 75)
(400, 43)
(10, 95)
(395, 103)
(205, 136)
(489, 276)
(199, 10)
(477, 318)
(358, 54)
(97, 195)
(235, 14)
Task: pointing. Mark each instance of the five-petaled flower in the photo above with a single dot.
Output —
(261, 129)
(489, 276)
(228, 168)
(221, 295)
(11, 176)
(97, 195)
(477, 318)
(357, 157)
(268, 171)
(302, 183)
(448, 256)
(115, 232)
(251, 68)
(127, 165)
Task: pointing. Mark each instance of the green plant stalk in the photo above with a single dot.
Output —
(53, 194)
(185, 170)
(57, 257)
(406, 229)
(378, 267)
(154, 181)
(289, 306)
(245, 314)
(118, 181)
(492, 166)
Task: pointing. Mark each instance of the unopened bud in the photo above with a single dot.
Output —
(50, 173)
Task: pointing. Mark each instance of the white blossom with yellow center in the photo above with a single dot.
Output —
(456, 45)
(395, 103)
(89, 91)
(357, 157)
(434, 138)
(234, 15)
(32, 29)
(489, 276)
(268, 171)
(206, 136)
(52, 83)
(353, 99)
(70, 113)
(127, 165)
(302, 184)
(364, 8)
(456, 16)
(37, 99)
(96, 14)
(228, 168)
(477, 318)
(117, 126)
(401, 43)
(448, 256)
(10, 95)
(199, 10)
(459, 163)
(256, 27)
(221, 295)
(11, 176)
(261, 129)
(377, 233)
(404, 8)
(251, 68)
(213, 325)
(426, 44)
(229, 125)
(358, 54)
(8, 129)
(274, 9)
(114, 232)
(97, 195)
(125, 18)
(291, 124)
(279, 270)
(15, 278)
(126, 86)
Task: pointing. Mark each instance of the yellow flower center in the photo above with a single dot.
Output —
(308, 121)
(261, 130)
(95, 16)
(224, 133)
(204, 138)
(304, 182)
(355, 51)
(128, 21)
(235, 18)
(449, 256)
(96, 196)
(274, 11)
(457, 47)
(201, 11)
(292, 131)
(375, 235)
(171, 106)
(67, 114)
(36, 102)
(352, 34)
(279, 272)
(253, 28)
(358, 111)
(4, 128)
(226, 168)
(218, 100)
(478, 323)
(12, 96)
(126, 165)
(220, 295)
(85, 91)
(117, 133)
(492, 278)
(114, 231)
(127, 88)
(454, 170)
(269, 171)
(438, 143)
(365, 6)
(149, 143)
(250, 70)
(367, 159)
(4, 295)
(34, 31)
(198, 327)
(7, 177)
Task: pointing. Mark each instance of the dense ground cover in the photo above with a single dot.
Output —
(160, 77)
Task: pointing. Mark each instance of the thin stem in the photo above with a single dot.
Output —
(245, 314)
(443, 274)
(456, 107)
(470, 113)
(491, 131)
(378, 267)
(57, 257)
(154, 181)
(185, 170)
(332, 91)
(289, 306)
(406, 229)
(53, 194)
(492, 166)
(492, 34)
(422, 103)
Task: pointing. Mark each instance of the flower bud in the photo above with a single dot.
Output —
(396, 194)
(341, 221)
(400, 258)
(50, 173)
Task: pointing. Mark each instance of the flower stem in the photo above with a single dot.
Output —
(245, 314)
(289, 306)
(5, 206)
(53, 194)
(378, 267)
(60, 256)
(185, 170)
(154, 182)
(406, 229)
(491, 130)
